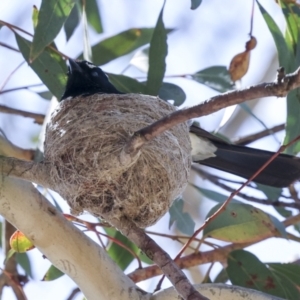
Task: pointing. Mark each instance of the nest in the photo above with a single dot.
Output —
(83, 143)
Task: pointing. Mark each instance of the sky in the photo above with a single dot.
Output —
(208, 36)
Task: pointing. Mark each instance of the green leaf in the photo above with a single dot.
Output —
(157, 56)
(170, 91)
(93, 15)
(120, 44)
(52, 274)
(48, 66)
(290, 271)
(273, 194)
(24, 262)
(120, 255)
(292, 123)
(292, 16)
(144, 258)
(239, 223)
(183, 220)
(284, 53)
(72, 22)
(11, 252)
(216, 77)
(245, 269)
(215, 196)
(34, 16)
(52, 15)
(289, 57)
(20, 243)
(126, 84)
(195, 3)
(279, 226)
(46, 95)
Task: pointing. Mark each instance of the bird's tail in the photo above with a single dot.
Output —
(244, 162)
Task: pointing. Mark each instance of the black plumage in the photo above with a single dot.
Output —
(85, 79)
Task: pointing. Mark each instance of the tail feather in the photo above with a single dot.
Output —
(244, 162)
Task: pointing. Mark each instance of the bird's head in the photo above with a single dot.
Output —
(84, 79)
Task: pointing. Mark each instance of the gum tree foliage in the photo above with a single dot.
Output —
(146, 50)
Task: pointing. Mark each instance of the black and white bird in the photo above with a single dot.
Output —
(86, 79)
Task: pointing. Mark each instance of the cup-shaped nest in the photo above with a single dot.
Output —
(84, 140)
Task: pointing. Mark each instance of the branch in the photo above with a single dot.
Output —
(63, 244)
(217, 181)
(27, 170)
(198, 258)
(217, 291)
(280, 88)
(38, 118)
(159, 257)
(256, 136)
(9, 149)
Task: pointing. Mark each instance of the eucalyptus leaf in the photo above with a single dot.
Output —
(120, 255)
(195, 3)
(48, 66)
(245, 269)
(120, 44)
(239, 223)
(170, 91)
(157, 56)
(72, 22)
(216, 77)
(51, 17)
(183, 220)
(126, 84)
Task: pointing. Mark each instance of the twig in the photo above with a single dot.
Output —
(38, 118)
(14, 28)
(9, 47)
(9, 149)
(256, 136)
(215, 180)
(235, 193)
(74, 293)
(20, 88)
(11, 74)
(279, 88)
(159, 257)
(198, 258)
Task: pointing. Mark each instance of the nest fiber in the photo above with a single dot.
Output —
(84, 140)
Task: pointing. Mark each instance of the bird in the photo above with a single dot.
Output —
(85, 79)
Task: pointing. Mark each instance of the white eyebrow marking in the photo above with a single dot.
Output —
(90, 65)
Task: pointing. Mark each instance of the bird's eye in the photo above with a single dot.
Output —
(95, 74)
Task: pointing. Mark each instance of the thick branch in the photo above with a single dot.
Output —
(279, 89)
(26, 170)
(63, 244)
(160, 258)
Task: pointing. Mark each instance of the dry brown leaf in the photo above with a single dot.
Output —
(239, 65)
(251, 44)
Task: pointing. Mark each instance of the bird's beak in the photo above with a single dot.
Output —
(74, 66)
